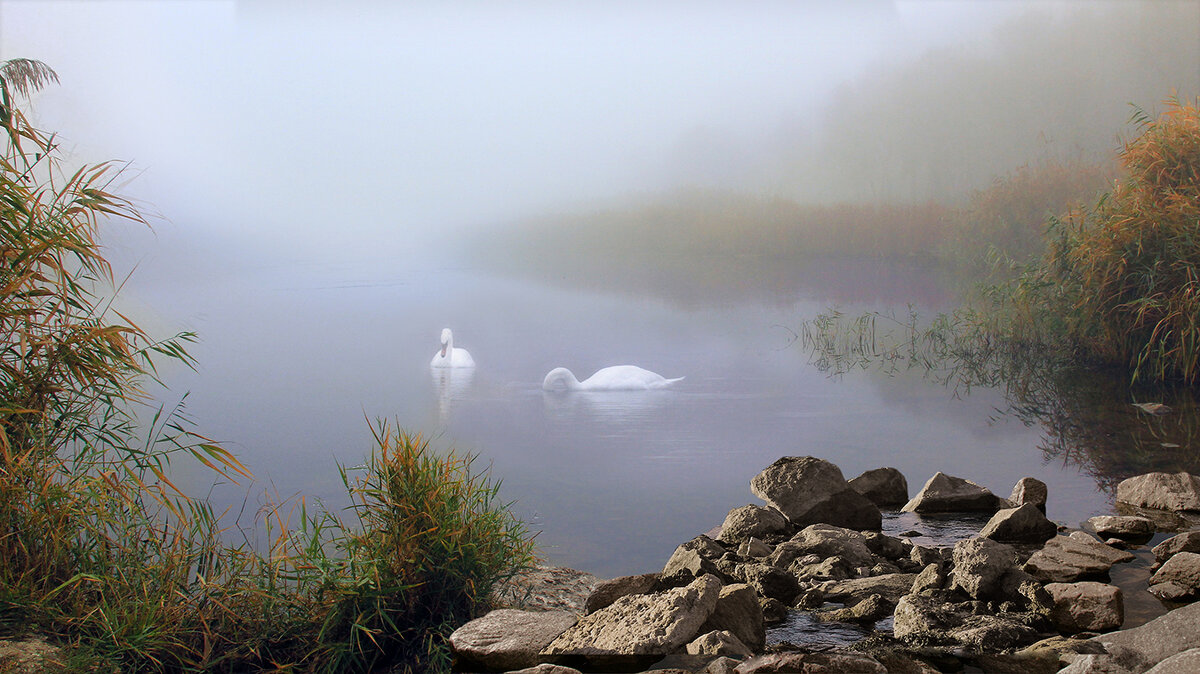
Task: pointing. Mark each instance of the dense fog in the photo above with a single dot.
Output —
(343, 131)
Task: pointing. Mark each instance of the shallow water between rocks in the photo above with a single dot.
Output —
(294, 362)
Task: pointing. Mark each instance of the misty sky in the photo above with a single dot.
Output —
(312, 129)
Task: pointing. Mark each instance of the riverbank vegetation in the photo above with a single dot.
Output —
(102, 553)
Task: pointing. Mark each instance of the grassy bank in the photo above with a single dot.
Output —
(103, 554)
(1115, 285)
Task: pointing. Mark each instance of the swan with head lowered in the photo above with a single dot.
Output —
(449, 355)
(615, 378)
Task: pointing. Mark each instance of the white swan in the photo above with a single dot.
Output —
(449, 356)
(615, 378)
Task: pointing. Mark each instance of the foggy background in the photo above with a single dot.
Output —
(292, 133)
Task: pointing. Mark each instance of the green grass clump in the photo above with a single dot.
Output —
(103, 554)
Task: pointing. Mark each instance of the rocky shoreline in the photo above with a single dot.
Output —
(1023, 595)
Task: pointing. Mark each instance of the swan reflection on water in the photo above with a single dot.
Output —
(613, 404)
(451, 384)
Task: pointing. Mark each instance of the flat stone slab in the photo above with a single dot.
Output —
(1066, 559)
(509, 638)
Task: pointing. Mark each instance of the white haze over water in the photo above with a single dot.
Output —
(315, 166)
(286, 131)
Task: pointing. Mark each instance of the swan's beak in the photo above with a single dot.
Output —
(443, 350)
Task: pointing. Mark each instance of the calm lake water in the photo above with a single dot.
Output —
(294, 361)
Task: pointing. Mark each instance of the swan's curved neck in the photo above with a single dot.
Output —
(560, 377)
(447, 344)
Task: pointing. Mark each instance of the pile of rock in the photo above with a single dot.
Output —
(816, 542)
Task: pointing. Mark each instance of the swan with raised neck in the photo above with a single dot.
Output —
(449, 355)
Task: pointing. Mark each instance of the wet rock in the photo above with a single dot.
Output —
(1122, 526)
(1178, 579)
(1086, 607)
(870, 610)
(892, 587)
(979, 566)
(508, 638)
(739, 612)
(882, 486)
(639, 625)
(611, 590)
(752, 521)
(1023, 524)
(812, 663)
(1162, 491)
(1066, 559)
(808, 490)
(719, 643)
(1185, 542)
(945, 493)
(1029, 490)
(753, 547)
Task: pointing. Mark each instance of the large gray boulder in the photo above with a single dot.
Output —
(1178, 579)
(507, 639)
(1066, 559)
(1185, 542)
(1140, 648)
(1023, 524)
(738, 612)
(639, 624)
(1162, 491)
(944, 493)
(882, 486)
(980, 564)
(1086, 607)
(752, 521)
(808, 490)
(1029, 490)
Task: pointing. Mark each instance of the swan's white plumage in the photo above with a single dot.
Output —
(615, 378)
(449, 355)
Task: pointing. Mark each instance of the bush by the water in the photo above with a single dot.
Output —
(1120, 283)
(103, 554)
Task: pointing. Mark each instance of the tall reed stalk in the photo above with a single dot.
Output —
(101, 551)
